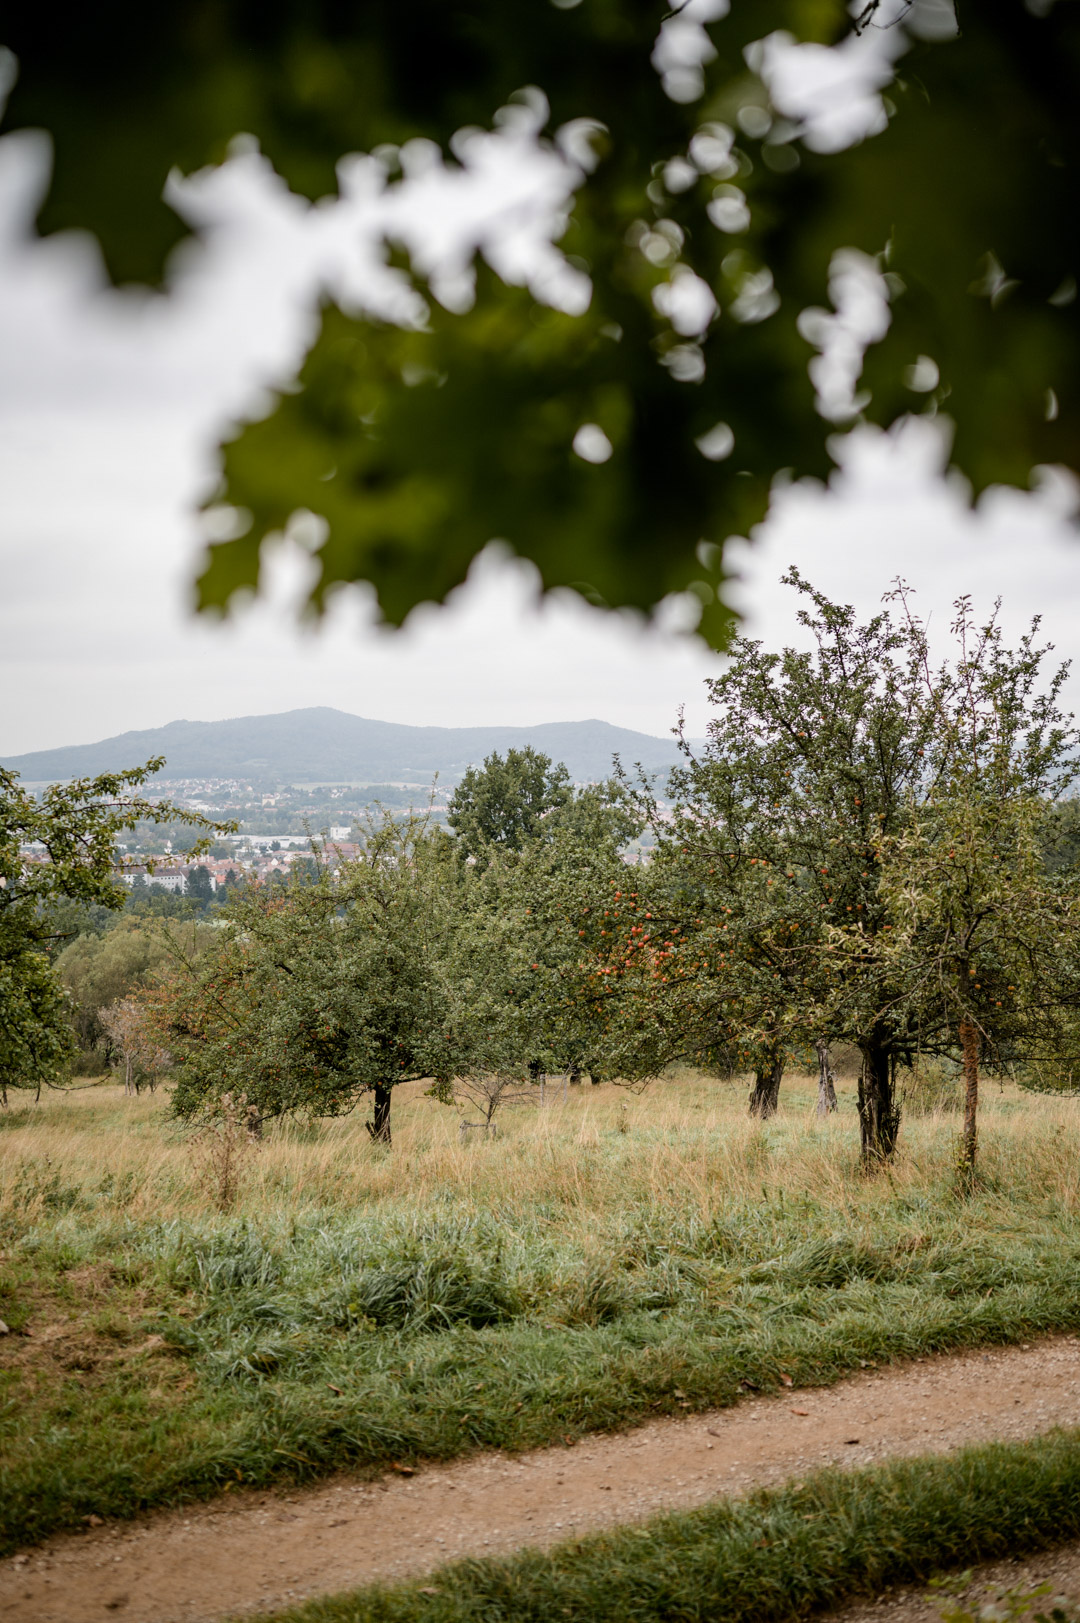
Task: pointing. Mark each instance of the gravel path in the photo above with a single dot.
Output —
(256, 1551)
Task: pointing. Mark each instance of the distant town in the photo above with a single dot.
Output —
(279, 826)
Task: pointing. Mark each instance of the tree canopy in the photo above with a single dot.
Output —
(500, 806)
(315, 995)
(71, 831)
(807, 885)
(618, 445)
(100, 969)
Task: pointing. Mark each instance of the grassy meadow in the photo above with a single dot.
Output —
(609, 1257)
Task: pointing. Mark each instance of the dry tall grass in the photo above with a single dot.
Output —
(609, 1256)
(687, 1144)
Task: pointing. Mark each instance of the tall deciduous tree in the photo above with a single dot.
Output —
(55, 848)
(500, 806)
(700, 966)
(985, 951)
(983, 948)
(814, 762)
(198, 887)
(810, 756)
(519, 971)
(130, 1027)
(320, 994)
(102, 969)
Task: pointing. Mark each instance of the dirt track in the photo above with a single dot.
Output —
(261, 1550)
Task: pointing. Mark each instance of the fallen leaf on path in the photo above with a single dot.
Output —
(786, 1379)
(800, 1411)
(404, 1470)
(93, 1521)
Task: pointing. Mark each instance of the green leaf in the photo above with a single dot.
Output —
(420, 447)
(415, 477)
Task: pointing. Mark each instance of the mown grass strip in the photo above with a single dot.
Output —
(163, 1428)
(773, 1556)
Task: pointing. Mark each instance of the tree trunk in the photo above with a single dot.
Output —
(826, 1093)
(879, 1112)
(969, 1042)
(379, 1129)
(538, 1074)
(575, 1078)
(765, 1094)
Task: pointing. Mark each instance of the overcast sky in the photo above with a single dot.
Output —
(110, 407)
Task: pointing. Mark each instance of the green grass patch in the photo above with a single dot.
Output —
(446, 1337)
(362, 1307)
(776, 1555)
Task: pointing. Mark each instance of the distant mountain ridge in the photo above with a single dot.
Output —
(331, 746)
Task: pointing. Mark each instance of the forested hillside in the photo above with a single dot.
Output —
(325, 745)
